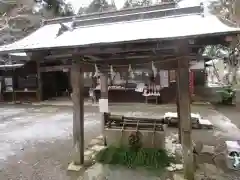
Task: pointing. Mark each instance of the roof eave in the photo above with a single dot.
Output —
(24, 50)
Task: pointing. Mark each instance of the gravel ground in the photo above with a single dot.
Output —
(229, 111)
(36, 142)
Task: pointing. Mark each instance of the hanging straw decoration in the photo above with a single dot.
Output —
(90, 74)
(96, 71)
(131, 74)
(129, 68)
(112, 72)
(154, 69)
(85, 75)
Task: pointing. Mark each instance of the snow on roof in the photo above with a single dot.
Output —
(212, 62)
(11, 66)
(18, 54)
(189, 25)
(197, 65)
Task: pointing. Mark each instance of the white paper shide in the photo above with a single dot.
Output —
(103, 105)
(164, 82)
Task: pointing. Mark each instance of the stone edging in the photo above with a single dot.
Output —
(94, 147)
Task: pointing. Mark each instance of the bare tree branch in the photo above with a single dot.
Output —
(16, 23)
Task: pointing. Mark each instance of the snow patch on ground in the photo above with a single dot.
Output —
(57, 126)
(224, 128)
(18, 131)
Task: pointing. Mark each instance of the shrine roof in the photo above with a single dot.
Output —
(152, 23)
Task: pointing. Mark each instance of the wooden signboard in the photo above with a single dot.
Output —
(9, 84)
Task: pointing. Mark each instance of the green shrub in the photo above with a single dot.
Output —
(227, 94)
(132, 158)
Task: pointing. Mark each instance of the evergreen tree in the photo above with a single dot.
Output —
(97, 6)
(227, 10)
(17, 20)
(58, 7)
(137, 3)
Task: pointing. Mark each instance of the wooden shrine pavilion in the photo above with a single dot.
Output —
(169, 36)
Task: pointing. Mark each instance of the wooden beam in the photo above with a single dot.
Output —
(136, 64)
(168, 63)
(118, 48)
(110, 57)
(95, 58)
(121, 58)
(155, 45)
(78, 111)
(136, 61)
(54, 68)
(138, 55)
(185, 111)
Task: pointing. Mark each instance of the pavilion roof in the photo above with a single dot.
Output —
(10, 66)
(117, 27)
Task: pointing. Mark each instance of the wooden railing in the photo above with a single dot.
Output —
(137, 123)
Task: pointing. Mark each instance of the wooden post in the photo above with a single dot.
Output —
(39, 81)
(94, 85)
(13, 86)
(78, 111)
(185, 112)
(37, 57)
(126, 79)
(69, 82)
(103, 101)
(178, 108)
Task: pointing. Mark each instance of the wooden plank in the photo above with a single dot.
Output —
(120, 118)
(78, 112)
(184, 110)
